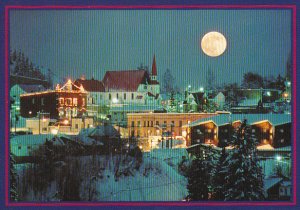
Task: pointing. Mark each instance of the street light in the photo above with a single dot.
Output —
(278, 158)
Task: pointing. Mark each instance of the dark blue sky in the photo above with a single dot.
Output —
(90, 42)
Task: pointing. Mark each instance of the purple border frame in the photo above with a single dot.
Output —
(117, 7)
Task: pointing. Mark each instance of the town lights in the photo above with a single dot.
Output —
(66, 122)
(54, 131)
(115, 100)
(278, 158)
(201, 89)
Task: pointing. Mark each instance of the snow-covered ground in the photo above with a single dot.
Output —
(157, 178)
(154, 181)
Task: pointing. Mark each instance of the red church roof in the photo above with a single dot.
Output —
(127, 80)
(91, 85)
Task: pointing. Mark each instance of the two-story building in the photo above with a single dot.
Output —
(61, 103)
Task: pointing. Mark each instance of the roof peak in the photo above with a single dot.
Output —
(125, 70)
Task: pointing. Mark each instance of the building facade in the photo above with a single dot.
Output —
(61, 103)
(269, 129)
(143, 125)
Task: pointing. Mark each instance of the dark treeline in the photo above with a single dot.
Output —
(21, 65)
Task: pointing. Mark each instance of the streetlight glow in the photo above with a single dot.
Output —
(54, 131)
(278, 158)
(115, 100)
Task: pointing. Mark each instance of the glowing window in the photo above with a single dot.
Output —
(75, 101)
(68, 101)
(61, 101)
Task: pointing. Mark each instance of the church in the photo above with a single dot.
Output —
(130, 87)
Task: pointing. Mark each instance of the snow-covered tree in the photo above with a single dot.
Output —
(13, 180)
(244, 180)
(218, 182)
(198, 180)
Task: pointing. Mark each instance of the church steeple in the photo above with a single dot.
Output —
(154, 84)
(154, 70)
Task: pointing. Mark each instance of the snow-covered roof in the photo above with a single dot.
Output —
(219, 120)
(271, 181)
(265, 147)
(88, 136)
(286, 183)
(249, 102)
(34, 139)
(134, 108)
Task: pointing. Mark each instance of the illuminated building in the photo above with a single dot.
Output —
(61, 103)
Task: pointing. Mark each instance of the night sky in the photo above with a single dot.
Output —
(90, 42)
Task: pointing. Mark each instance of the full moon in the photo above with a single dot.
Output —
(213, 44)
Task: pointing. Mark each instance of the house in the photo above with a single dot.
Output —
(19, 89)
(63, 102)
(277, 188)
(218, 98)
(46, 125)
(195, 102)
(256, 100)
(273, 129)
(95, 94)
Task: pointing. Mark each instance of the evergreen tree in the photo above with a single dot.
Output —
(218, 181)
(13, 180)
(198, 180)
(279, 84)
(211, 157)
(14, 56)
(289, 68)
(168, 82)
(244, 180)
(72, 182)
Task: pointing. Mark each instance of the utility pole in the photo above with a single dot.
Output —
(39, 122)
(172, 125)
